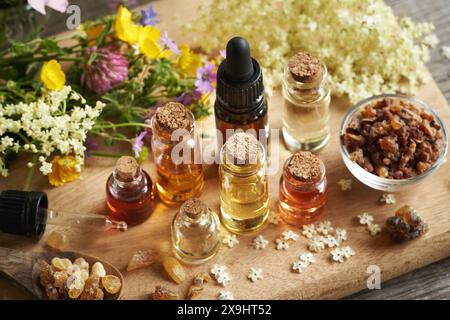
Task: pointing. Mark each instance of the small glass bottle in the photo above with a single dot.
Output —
(306, 108)
(180, 175)
(129, 192)
(244, 196)
(195, 232)
(303, 189)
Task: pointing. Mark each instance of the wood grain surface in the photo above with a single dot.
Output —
(323, 280)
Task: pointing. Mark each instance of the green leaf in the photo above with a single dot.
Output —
(51, 46)
(104, 33)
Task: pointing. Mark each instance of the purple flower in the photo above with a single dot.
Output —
(206, 76)
(103, 71)
(169, 43)
(149, 17)
(58, 5)
(188, 98)
(139, 143)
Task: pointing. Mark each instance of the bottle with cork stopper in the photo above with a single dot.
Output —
(244, 195)
(176, 153)
(129, 192)
(195, 232)
(303, 189)
(306, 108)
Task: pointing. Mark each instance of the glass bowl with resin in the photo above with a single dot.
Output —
(372, 180)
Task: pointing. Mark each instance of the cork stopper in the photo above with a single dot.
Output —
(243, 148)
(305, 67)
(304, 166)
(126, 168)
(193, 208)
(173, 116)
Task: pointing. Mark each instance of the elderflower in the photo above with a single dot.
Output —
(230, 240)
(56, 122)
(255, 274)
(367, 49)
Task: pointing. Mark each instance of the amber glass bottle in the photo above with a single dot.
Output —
(303, 189)
(240, 100)
(176, 153)
(129, 192)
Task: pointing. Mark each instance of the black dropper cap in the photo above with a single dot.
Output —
(22, 212)
(240, 88)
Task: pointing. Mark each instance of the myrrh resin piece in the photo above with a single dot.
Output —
(163, 293)
(406, 225)
(141, 259)
(174, 269)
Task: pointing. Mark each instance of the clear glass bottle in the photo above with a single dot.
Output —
(306, 107)
(195, 232)
(302, 201)
(129, 192)
(177, 179)
(244, 196)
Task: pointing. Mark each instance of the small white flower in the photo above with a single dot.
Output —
(274, 217)
(373, 229)
(282, 244)
(340, 234)
(223, 278)
(337, 255)
(230, 240)
(299, 266)
(225, 295)
(445, 52)
(345, 184)
(46, 168)
(387, 198)
(255, 274)
(309, 231)
(331, 241)
(316, 244)
(324, 228)
(218, 269)
(431, 40)
(308, 258)
(260, 243)
(290, 235)
(365, 218)
(347, 252)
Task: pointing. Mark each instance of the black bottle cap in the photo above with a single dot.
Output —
(240, 88)
(21, 212)
(239, 64)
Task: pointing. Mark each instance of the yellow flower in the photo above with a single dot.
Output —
(148, 43)
(64, 169)
(188, 62)
(126, 30)
(52, 75)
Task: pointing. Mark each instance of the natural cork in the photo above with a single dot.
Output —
(173, 116)
(305, 67)
(304, 166)
(126, 168)
(193, 208)
(243, 148)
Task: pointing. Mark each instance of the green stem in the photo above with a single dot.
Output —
(36, 59)
(30, 174)
(106, 154)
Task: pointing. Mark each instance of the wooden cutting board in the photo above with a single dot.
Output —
(324, 279)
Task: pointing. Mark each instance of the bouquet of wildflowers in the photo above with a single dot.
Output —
(105, 81)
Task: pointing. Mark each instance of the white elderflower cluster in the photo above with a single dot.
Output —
(58, 121)
(361, 43)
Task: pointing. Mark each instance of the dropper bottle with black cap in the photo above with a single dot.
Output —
(240, 100)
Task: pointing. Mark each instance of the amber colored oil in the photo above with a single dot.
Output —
(177, 182)
(133, 204)
(244, 196)
(302, 202)
(176, 186)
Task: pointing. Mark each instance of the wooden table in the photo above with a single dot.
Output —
(432, 281)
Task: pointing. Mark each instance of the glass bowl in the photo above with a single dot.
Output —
(372, 180)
